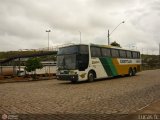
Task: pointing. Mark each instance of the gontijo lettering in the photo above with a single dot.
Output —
(125, 61)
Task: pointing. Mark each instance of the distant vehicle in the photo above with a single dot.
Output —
(88, 62)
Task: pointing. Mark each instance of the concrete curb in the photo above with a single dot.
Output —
(148, 112)
(24, 80)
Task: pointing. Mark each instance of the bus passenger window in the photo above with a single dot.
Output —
(95, 52)
(106, 52)
(122, 53)
(129, 54)
(115, 53)
(135, 55)
(138, 54)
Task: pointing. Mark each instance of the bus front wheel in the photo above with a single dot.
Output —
(74, 81)
(91, 76)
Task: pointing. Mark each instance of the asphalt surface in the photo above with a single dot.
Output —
(122, 95)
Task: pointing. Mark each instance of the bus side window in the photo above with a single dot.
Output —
(95, 52)
(135, 55)
(122, 53)
(115, 53)
(129, 54)
(106, 52)
(138, 54)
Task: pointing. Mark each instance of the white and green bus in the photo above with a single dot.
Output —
(88, 62)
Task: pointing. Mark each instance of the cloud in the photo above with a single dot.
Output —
(24, 22)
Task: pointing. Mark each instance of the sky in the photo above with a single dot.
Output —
(23, 23)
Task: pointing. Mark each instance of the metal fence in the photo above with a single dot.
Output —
(147, 66)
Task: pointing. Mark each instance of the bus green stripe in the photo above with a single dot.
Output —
(105, 62)
(113, 68)
(108, 66)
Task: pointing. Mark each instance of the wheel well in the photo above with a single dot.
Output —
(135, 69)
(130, 68)
(94, 73)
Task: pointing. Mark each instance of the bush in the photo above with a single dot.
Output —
(32, 64)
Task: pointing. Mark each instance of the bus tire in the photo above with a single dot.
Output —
(74, 81)
(91, 76)
(130, 72)
(134, 72)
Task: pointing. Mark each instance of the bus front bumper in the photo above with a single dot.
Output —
(67, 77)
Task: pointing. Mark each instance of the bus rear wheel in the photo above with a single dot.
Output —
(130, 72)
(134, 72)
(91, 76)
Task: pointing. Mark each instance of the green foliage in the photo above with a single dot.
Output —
(32, 64)
(115, 44)
(150, 62)
(8, 54)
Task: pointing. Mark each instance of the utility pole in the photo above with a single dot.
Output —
(1, 69)
(48, 31)
(109, 34)
(159, 56)
(19, 65)
(159, 51)
(108, 38)
(142, 50)
(80, 36)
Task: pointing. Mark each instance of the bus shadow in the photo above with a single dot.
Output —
(110, 78)
(97, 80)
(115, 78)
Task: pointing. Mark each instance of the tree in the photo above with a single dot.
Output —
(115, 44)
(32, 64)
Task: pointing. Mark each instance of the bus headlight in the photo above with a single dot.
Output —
(72, 73)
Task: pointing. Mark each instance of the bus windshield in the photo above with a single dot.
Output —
(68, 50)
(66, 61)
(73, 57)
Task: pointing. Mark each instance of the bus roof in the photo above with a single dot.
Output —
(99, 45)
(110, 46)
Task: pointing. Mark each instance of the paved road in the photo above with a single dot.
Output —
(118, 95)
